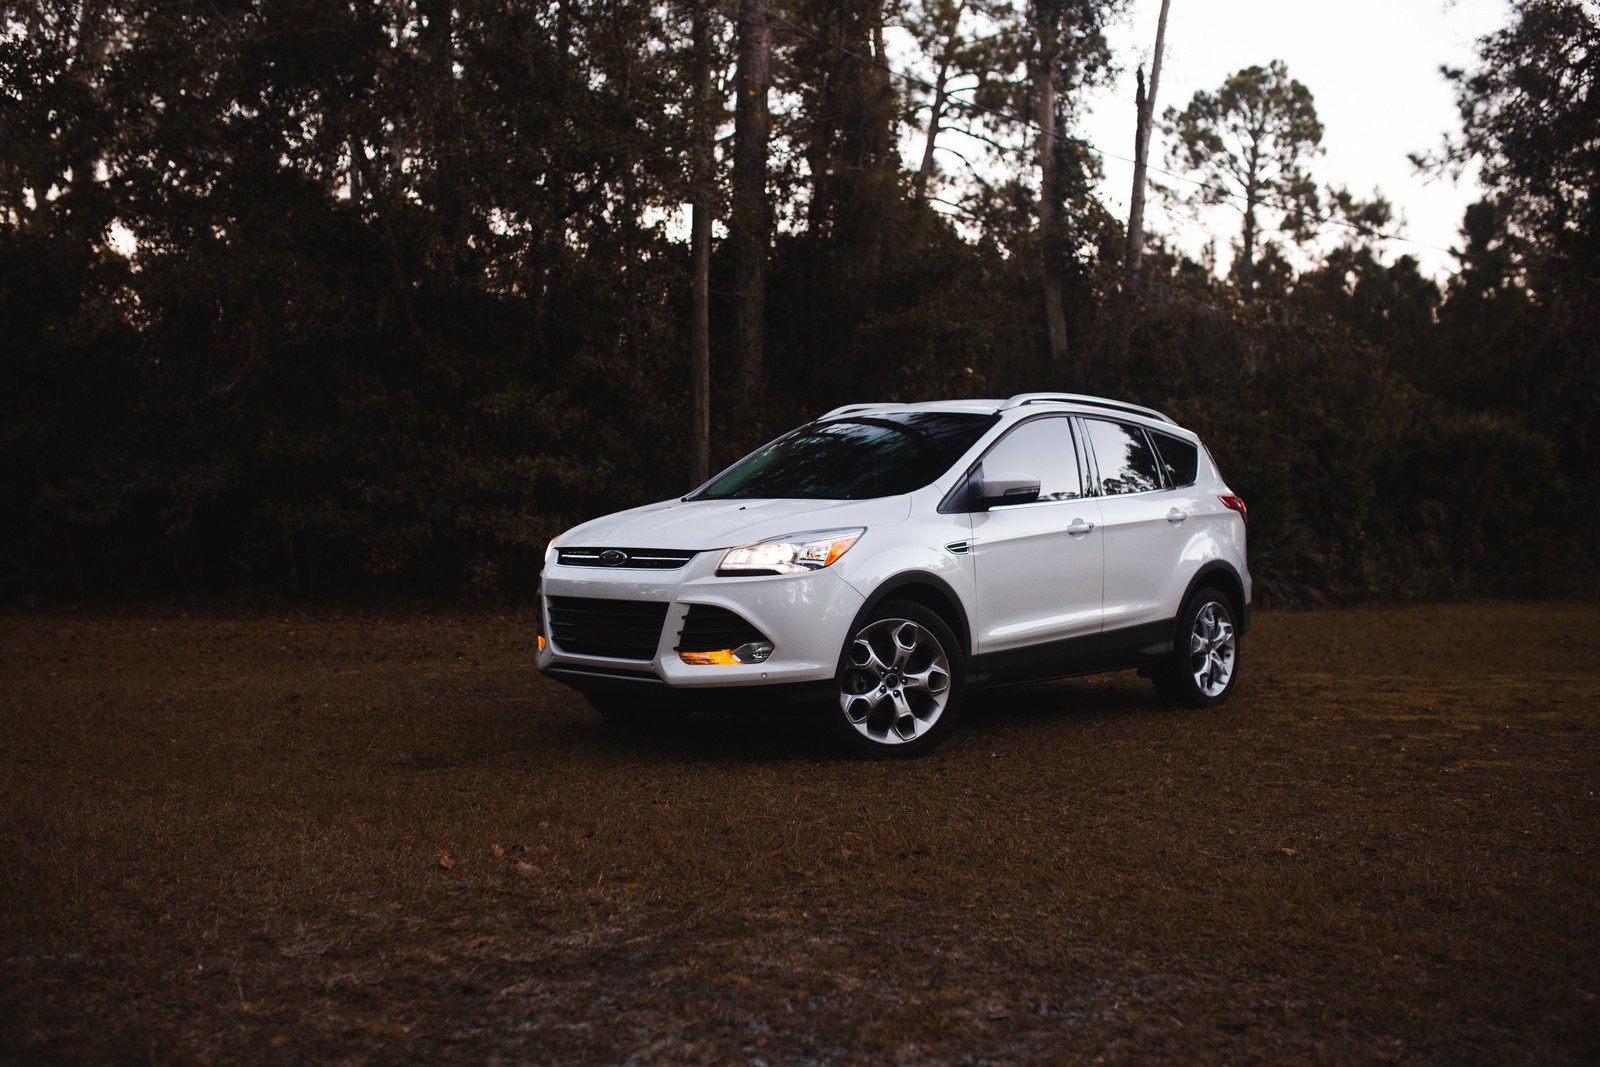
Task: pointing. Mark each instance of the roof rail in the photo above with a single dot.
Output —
(1088, 401)
(847, 409)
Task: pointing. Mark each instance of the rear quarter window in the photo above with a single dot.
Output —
(1180, 458)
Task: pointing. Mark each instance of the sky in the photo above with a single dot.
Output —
(1372, 67)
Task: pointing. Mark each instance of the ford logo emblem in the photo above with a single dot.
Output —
(613, 557)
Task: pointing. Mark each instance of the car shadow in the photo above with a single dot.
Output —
(1098, 698)
(774, 733)
(762, 735)
(546, 719)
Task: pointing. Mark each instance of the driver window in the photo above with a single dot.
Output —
(1042, 449)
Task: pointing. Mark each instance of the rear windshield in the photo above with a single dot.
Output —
(853, 458)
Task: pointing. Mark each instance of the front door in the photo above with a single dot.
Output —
(1039, 566)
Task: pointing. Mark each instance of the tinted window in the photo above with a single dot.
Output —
(853, 458)
(1041, 449)
(1181, 458)
(1127, 463)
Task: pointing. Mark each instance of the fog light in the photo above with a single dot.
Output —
(751, 652)
(754, 652)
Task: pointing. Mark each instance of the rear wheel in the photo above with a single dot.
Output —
(1204, 663)
(900, 682)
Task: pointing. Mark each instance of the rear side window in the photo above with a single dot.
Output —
(1127, 462)
(1180, 458)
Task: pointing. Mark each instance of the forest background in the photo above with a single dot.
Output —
(323, 299)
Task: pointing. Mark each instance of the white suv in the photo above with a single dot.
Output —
(882, 559)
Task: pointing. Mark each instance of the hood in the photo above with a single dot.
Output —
(707, 524)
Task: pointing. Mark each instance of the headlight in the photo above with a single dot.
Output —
(793, 554)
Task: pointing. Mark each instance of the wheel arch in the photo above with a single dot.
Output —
(1221, 576)
(931, 592)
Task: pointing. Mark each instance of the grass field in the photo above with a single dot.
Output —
(351, 839)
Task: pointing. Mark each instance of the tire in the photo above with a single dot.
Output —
(1203, 666)
(900, 682)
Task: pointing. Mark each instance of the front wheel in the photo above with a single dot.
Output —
(900, 682)
(1204, 663)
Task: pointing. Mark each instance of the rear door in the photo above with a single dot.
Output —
(1147, 526)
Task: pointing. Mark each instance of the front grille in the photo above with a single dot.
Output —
(649, 559)
(708, 629)
(621, 629)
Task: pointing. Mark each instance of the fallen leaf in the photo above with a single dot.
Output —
(499, 852)
(446, 860)
(523, 869)
(1287, 851)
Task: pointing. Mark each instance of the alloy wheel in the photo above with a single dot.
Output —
(896, 683)
(1213, 648)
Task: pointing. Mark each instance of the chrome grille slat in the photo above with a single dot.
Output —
(655, 559)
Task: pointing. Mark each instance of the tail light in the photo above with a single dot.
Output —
(1233, 503)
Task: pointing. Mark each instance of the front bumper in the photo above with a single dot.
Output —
(805, 617)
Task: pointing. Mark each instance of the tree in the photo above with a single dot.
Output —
(976, 48)
(750, 217)
(1247, 144)
(1067, 51)
(938, 31)
(1145, 103)
(703, 184)
(845, 128)
(1144, 108)
(1047, 24)
(1530, 113)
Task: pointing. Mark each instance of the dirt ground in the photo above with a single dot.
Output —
(347, 838)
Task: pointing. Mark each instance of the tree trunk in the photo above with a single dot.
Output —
(1245, 269)
(749, 221)
(1132, 276)
(700, 250)
(1141, 160)
(1247, 252)
(1047, 25)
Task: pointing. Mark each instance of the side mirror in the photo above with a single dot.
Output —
(995, 490)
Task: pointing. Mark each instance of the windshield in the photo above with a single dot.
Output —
(853, 458)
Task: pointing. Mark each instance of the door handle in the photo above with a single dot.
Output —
(1079, 527)
(1176, 516)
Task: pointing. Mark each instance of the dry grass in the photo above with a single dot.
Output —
(223, 842)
